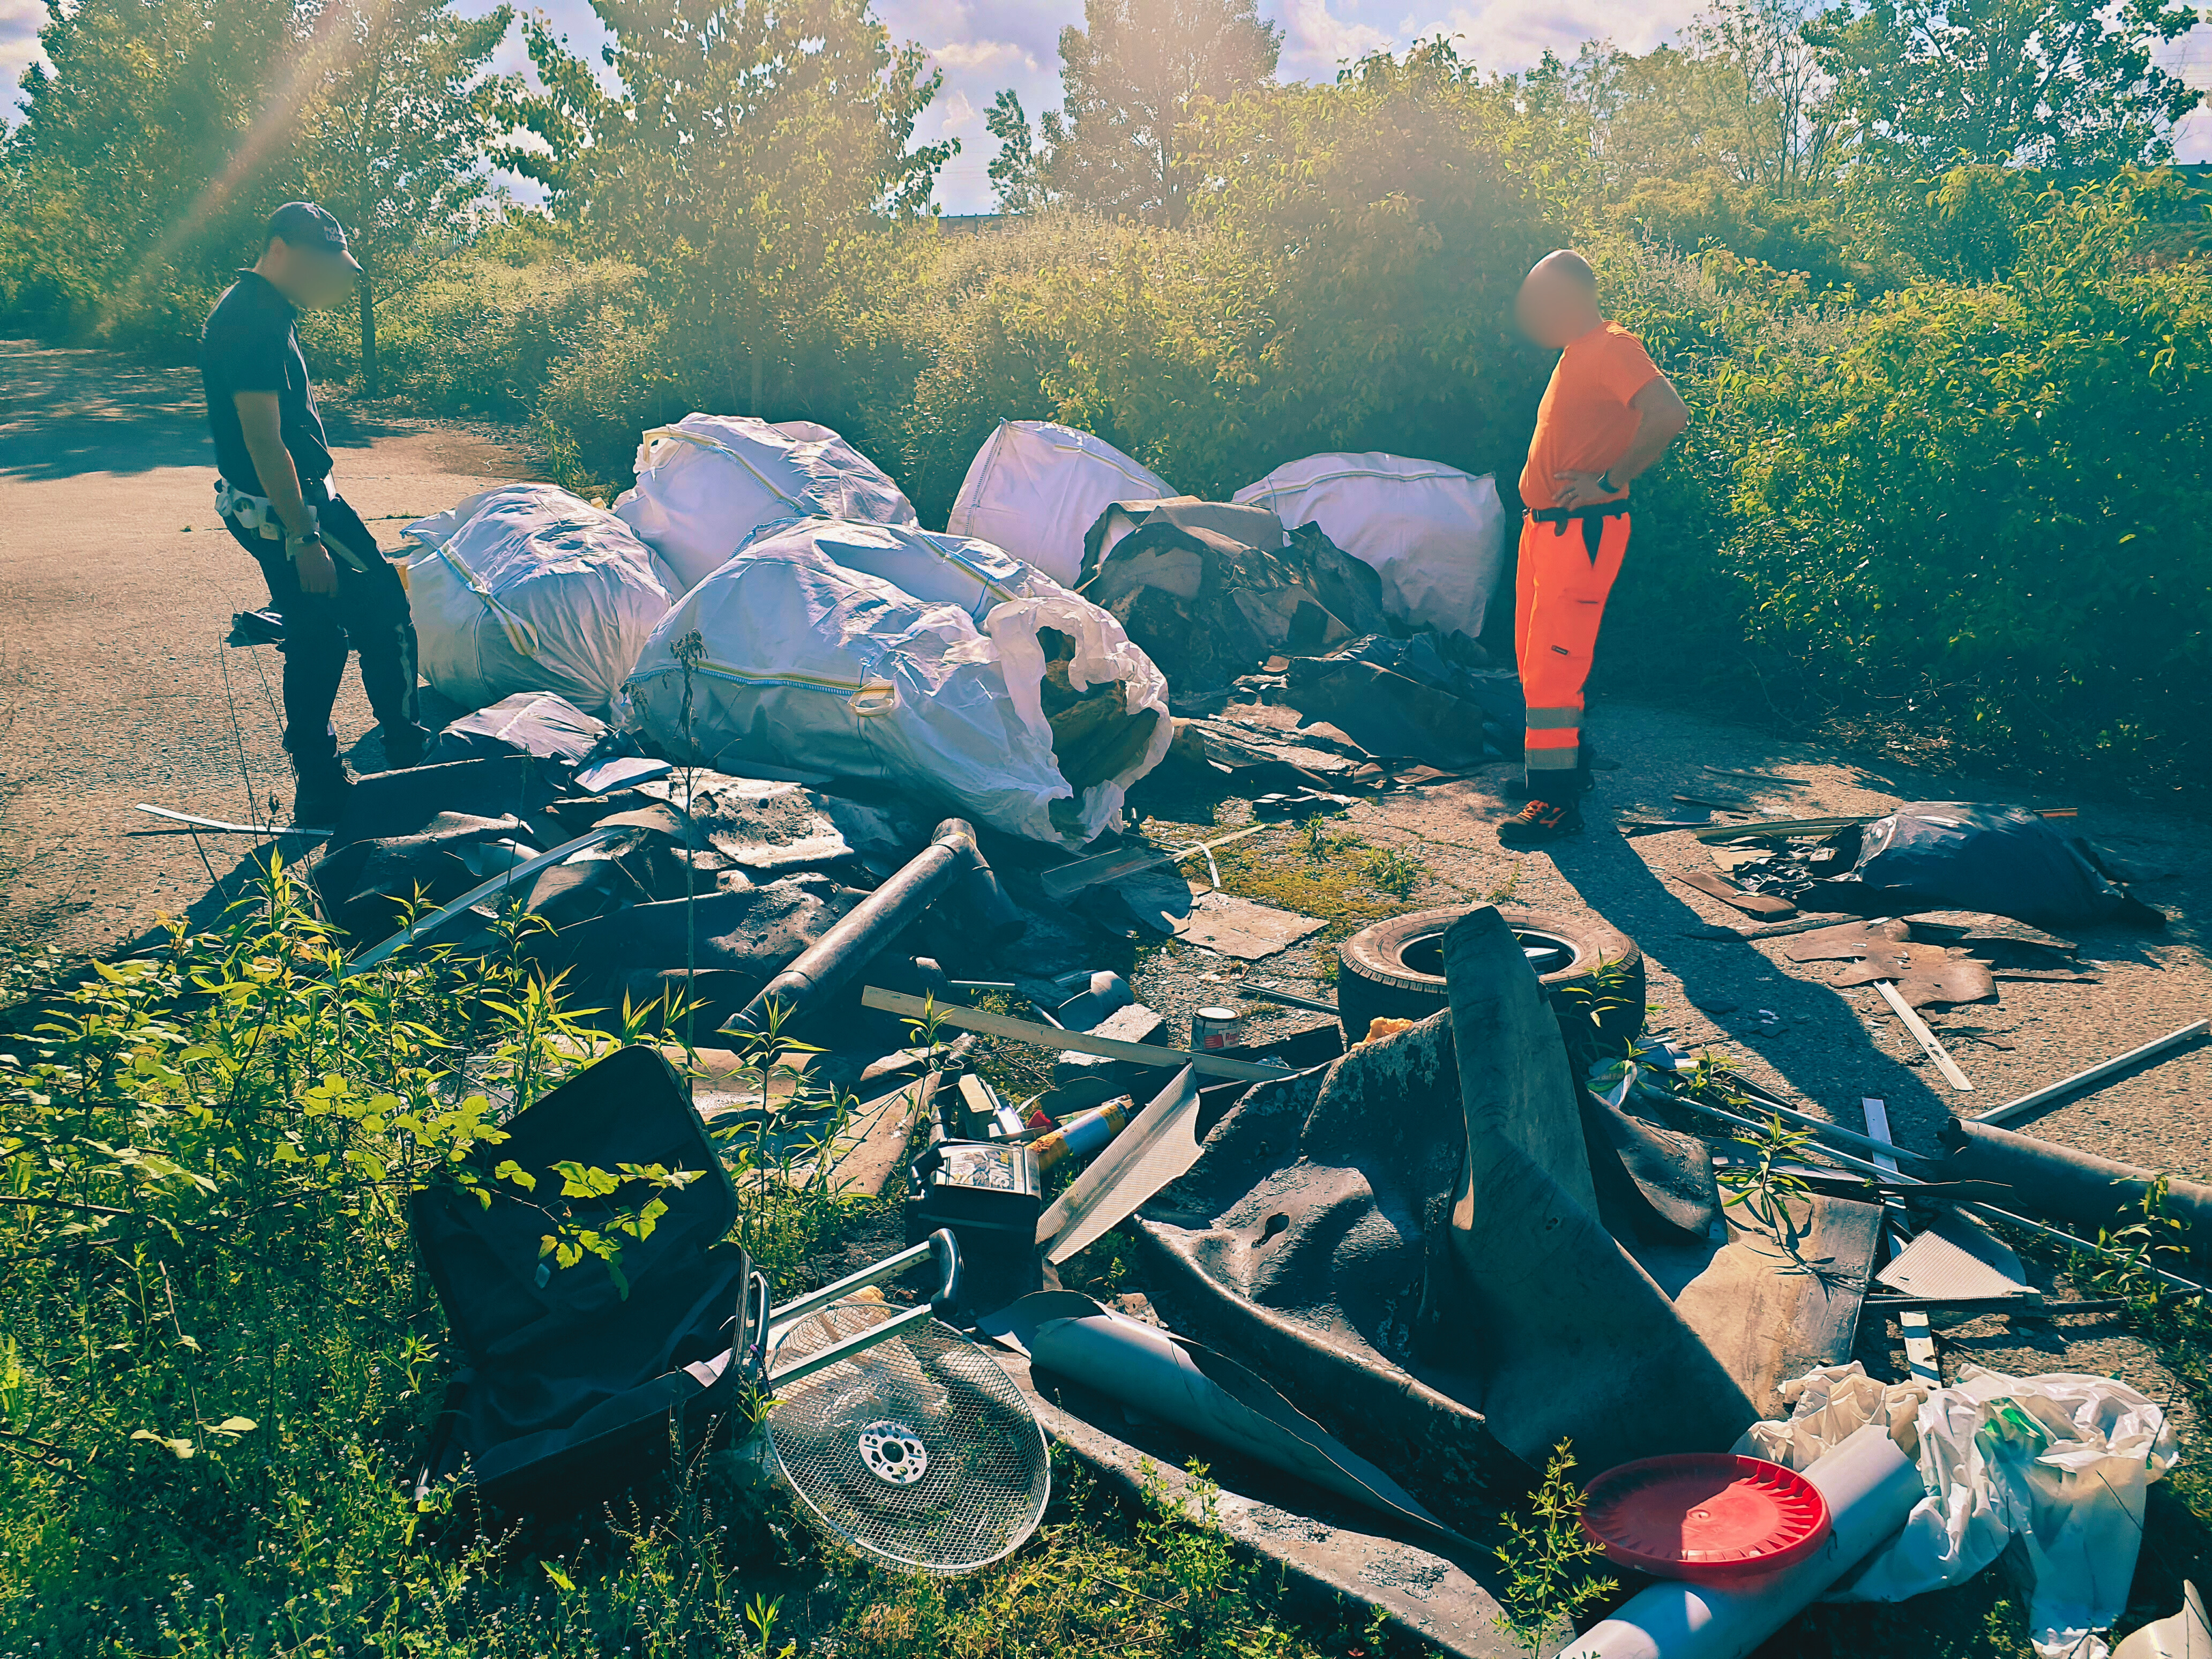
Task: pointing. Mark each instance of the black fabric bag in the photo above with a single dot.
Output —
(573, 1389)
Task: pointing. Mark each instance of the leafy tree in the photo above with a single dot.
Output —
(754, 147)
(1381, 228)
(2062, 85)
(395, 145)
(143, 158)
(1017, 172)
(1132, 75)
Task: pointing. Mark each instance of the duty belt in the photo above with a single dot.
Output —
(1562, 514)
(258, 513)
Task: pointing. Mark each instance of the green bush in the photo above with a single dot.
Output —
(480, 335)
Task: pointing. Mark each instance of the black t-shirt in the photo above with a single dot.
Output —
(249, 345)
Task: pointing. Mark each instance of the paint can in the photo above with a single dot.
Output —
(1214, 1028)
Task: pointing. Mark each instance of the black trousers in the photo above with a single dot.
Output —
(368, 615)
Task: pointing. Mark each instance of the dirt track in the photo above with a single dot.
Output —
(116, 585)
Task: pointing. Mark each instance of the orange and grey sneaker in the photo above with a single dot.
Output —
(1539, 821)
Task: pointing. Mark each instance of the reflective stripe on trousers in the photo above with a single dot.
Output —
(1559, 596)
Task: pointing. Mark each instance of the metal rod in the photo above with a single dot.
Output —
(837, 1352)
(2028, 1102)
(224, 827)
(890, 1268)
(498, 883)
(1876, 1149)
(1926, 1038)
(1264, 993)
(1044, 1037)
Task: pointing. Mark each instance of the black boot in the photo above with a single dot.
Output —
(404, 744)
(320, 790)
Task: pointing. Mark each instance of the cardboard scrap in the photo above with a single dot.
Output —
(1846, 943)
(1166, 903)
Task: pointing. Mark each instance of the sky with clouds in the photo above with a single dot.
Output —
(983, 46)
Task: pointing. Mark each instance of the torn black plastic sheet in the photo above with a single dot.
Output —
(1178, 1382)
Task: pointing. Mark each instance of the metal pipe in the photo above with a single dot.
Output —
(1834, 1132)
(1267, 994)
(1871, 1487)
(2028, 1102)
(1985, 1211)
(833, 960)
(2074, 1185)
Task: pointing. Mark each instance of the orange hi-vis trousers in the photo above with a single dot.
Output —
(1567, 568)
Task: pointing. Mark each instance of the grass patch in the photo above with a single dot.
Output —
(219, 1357)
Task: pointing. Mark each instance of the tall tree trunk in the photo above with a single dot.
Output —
(369, 386)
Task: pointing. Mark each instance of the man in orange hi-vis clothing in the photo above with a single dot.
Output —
(1608, 414)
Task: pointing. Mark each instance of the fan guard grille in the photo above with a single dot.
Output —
(983, 1477)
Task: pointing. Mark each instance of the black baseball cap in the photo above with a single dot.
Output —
(302, 224)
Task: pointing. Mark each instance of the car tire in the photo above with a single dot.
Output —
(1394, 970)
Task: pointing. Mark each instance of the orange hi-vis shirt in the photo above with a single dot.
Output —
(1584, 423)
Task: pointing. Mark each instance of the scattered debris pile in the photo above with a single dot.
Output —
(1212, 591)
(1928, 856)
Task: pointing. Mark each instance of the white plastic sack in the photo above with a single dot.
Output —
(707, 484)
(1036, 488)
(528, 588)
(1436, 535)
(1827, 1406)
(817, 654)
(2060, 1462)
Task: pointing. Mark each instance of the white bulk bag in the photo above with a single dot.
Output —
(1436, 535)
(528, 588)
(810, 662)
(1036, 488)
(708, 483)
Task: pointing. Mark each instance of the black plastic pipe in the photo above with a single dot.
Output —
(2048, 1179)
(831, 963)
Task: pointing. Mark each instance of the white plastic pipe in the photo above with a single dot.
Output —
(1870, 1486)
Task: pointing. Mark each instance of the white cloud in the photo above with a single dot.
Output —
(1316, 42)
(20, 23)
(967, 58)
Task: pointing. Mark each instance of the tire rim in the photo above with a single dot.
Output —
(1548, 953)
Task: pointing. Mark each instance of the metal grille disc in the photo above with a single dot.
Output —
(920, 1452)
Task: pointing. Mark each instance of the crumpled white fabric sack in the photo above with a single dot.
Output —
(2061, 1463)
(1827, 1406)
(528, 588)
(819, 654)
(707, 485)
(1436, 535)
(1036, 487)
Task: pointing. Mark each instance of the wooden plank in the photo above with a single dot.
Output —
(1926, 1038)
(1712, 884)
(1048, 1037)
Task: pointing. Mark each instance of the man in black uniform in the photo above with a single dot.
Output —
(326, 580)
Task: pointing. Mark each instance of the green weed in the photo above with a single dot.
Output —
(1394, 871)
(1547, 1557)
